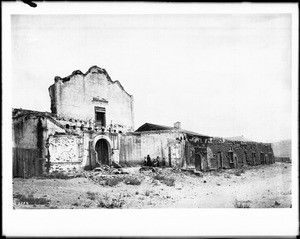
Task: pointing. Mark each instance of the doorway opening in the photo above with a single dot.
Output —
(262, 158)
(198, 161)
(220, 160)
(102, 148)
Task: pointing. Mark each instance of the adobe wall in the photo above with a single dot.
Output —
(130, 150)
(77, 95)
(77, 148)
(31, 131)
(66, 148)
(25, 132)
(244, 153)
(135, 147)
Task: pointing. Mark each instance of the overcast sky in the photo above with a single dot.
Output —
(220, 75)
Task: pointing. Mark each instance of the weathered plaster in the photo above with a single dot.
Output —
(66, 149)
(74, 96)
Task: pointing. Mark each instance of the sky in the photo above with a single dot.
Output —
(219, 75)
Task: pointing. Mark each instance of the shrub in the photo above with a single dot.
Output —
(57, 175)
(31, 200)
(87, 205)
(107, 202)
(132, 181)
(241, 204)
(239, 172)
(113, 181)
(147, 193)
(166, 180)
(91, 195)
(216, 173)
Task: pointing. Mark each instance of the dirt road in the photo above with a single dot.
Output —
(264, 186)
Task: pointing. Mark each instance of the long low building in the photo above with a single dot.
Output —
(92, 123)
(187, 149)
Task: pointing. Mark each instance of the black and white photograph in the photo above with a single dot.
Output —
(151, 108)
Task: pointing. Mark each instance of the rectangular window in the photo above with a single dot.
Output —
(100, 116)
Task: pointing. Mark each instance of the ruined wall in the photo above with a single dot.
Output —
(66, 148)
(236, 154)
(32, 130)
(77, 95)
(196, 152)
(25, 132)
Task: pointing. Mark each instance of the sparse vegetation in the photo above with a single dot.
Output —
(91, 195)
(216, 173)
(242, 204)
(132, 181)
(87, 204)
(107, 202)
(166, 180)
(113, 181)
(61, 175)
(239, 172)
(136, 189)
(31, 200)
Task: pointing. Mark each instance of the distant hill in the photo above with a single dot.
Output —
(282, 148)
(239, 138)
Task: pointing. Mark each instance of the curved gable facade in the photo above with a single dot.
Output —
(81, 96)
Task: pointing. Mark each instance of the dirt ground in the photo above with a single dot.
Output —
(264, 186)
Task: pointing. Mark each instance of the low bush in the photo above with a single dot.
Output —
(113, 181)
(241, 204)
(132, 181)
(87, 205)
(166, 180)
(216, 173)
(31, 200)
(239, 172)
(107, 202)
(57, 175)
(91, 195)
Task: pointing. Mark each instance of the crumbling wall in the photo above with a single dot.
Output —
(236, 154)
(25, 132)
(77, 95)
(66, 149)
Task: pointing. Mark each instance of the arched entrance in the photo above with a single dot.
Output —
(102, 148)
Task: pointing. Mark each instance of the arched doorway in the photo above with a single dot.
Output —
(102, 149)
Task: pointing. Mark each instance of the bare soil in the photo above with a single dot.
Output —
(264, 186)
